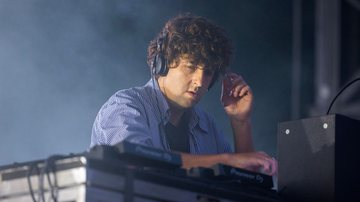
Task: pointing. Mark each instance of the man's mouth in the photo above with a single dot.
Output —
(193, 94)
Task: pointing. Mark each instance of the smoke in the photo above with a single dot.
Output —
(61, 60)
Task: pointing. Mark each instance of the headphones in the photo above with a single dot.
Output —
(159, 64)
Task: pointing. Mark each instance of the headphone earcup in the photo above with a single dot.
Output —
(160, 67)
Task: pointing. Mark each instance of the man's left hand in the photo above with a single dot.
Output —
(236, 97)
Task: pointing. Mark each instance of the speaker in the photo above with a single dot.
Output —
(317, 159)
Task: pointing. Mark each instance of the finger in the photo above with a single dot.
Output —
(244, 91)
(238, 81)
(265, 167)
(234, 78)
(230, 77)
(271, 167)
(274, 167)
(266, 163)
(237, 89)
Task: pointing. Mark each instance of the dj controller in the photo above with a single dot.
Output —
(129, 172)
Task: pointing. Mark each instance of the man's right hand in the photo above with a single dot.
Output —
(253, 161)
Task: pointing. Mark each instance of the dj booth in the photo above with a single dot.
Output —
(129, 172)
(317, 158)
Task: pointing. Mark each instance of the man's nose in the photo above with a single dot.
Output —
(198, 77)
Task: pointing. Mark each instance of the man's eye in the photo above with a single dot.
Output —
(191, 68)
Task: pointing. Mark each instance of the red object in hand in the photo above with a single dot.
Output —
(226, 91)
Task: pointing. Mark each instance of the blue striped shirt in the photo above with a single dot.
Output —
(140, 114)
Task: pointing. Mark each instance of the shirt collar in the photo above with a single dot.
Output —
(196, 119)
(159, 99)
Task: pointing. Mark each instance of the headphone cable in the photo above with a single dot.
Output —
(345, 87)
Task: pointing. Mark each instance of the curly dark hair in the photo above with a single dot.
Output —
(203, 41)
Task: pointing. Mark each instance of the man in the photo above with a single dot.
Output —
(185, 59)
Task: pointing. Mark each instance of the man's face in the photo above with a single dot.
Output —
(185, 84)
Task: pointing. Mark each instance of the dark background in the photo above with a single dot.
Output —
(61, 60)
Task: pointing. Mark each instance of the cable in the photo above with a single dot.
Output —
(53, 188)
(355, 4)
(41, 192)
(346, 86)
(28, 177)
(51, 166)
(48, 167)
(41, 195)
